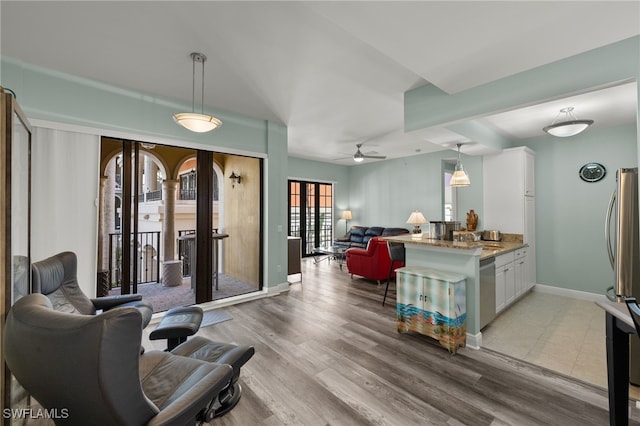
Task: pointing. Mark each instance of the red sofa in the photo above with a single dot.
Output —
(372, 262)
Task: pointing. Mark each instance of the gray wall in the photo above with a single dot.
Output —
(385, 193)
(570, 213)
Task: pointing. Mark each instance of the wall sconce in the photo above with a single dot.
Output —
(236, 179)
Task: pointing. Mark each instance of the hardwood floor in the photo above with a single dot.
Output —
(327, 353)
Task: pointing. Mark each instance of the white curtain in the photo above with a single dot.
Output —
(64, 194)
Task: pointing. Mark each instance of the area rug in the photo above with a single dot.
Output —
(214, 317)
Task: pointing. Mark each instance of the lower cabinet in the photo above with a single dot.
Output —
(432, 303)
(512, 277)
(522, 277)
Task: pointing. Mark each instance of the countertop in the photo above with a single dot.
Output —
(496, 248)
(489, 248)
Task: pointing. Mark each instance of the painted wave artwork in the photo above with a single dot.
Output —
(435, 318)
(451, 332)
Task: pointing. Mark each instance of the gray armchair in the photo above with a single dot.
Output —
(89, 368)
(56, 278)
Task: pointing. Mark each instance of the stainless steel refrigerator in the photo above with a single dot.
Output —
(621, 237)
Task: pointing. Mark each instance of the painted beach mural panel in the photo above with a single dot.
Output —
(432, 303)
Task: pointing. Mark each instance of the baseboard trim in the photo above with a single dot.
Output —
(566, 292)
(474, 341)
(234, 300)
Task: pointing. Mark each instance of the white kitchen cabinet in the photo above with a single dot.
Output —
(521, 270)
(512, 277)
(529, 173)
(509, 178)
(505, 281)
(530, 232)
(509, 202)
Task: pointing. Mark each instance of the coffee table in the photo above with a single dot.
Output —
(329, 253)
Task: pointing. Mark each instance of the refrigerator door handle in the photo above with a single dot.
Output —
(607, 228)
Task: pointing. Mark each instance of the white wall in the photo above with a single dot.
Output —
(64, 194)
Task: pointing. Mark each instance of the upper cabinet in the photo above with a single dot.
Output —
(529, 173)
(509, 177)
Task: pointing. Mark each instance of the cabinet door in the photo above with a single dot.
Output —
(409, 292)
(510, 284)
(520, 272)
(529, 174)
(501, 288)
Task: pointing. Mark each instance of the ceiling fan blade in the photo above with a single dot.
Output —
(379, 157)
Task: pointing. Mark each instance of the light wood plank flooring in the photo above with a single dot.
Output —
(327, 353)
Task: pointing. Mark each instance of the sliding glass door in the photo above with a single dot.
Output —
(311, 214)
(175, 227)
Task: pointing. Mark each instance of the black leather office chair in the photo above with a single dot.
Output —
(88, 368)
(397, 256)
(56, 278)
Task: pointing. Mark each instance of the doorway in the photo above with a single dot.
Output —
(311, 214)
(162, 227)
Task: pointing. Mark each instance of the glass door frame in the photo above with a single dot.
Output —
(11, 117)
(302, 200)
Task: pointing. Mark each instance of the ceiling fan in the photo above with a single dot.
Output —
(359, 156)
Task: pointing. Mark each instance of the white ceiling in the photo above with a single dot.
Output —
(333, 72)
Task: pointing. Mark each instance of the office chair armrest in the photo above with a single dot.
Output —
(108, 302)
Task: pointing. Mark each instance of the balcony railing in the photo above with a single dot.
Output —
(150, 196)
(146, 249)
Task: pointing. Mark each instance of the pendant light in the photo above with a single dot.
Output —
(199, 123)
(459, 177)
(569, 127)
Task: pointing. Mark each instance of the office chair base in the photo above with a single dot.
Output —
(230, 401)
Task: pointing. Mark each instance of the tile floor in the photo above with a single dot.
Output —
(563, 334)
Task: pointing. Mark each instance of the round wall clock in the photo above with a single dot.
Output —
(592, 172)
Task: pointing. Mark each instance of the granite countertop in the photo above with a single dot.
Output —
(489, 248)
(496, 248)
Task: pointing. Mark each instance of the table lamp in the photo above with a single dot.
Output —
(346, 215)
(416, 218)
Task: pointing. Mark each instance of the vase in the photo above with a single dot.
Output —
(472, 220)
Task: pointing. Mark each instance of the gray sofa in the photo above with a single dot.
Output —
(359, 236)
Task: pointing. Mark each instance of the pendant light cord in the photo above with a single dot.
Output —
(202, 95)
(193, 83)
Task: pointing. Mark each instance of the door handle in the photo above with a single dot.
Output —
(607, 228)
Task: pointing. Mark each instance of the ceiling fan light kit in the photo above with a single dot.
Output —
(197, 122)
(358, 157)
(570, 126)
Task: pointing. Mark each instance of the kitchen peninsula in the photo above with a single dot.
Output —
(456, 257)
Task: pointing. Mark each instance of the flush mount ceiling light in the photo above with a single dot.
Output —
(570, 126)
(459, 177)
(199, 123)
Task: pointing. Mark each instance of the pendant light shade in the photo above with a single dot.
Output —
(570, 126)
(459, 177)
(197, 122)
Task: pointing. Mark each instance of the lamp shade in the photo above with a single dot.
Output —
(199, 123)
(567, 128)
(346, 214)
(570, 126)
(459, 177)
(416, 218)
